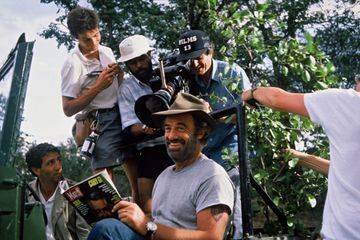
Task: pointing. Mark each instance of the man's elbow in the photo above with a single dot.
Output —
(67, 111)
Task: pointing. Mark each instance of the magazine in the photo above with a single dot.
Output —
(94, 197)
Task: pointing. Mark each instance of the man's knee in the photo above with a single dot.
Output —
(108, 228)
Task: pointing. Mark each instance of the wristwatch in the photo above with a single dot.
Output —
(144, 128)
(151, 229)
(252, 101)
(253, 89)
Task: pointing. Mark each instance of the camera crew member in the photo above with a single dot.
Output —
(90, 78)
(153, 159)
(210, 82)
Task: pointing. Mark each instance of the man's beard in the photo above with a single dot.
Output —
(185, 153)
(144, 75)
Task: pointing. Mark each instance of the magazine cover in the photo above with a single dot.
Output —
(94, 197)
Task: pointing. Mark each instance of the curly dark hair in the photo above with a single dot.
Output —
(35, 154)
(81, 19)
(200, 124)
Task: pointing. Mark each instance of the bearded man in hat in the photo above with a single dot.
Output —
(192, 199)
(211, 82)
(135, 52)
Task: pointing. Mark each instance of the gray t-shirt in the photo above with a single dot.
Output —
(179, 196)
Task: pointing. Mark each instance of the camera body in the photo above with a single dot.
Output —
(167, 81)
(177, 74)
(88, 147)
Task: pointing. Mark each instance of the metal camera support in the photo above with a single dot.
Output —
(17, 219)
(246, 178)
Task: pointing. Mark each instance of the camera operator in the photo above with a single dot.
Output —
(153, 158)
(210, 82)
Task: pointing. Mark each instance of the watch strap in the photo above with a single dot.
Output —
(253, 102)
(151, 229)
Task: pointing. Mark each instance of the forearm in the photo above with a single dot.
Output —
(72, 106)
(316, 163)
(141, 129)
(278, 99)
(269, 97)
(136, 129)
(211, 224)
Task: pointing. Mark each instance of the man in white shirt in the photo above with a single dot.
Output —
(338, 112)
(90, 78)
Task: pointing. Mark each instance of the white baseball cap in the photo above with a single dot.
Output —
(133, 47)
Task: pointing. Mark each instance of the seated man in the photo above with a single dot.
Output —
(63, 222)
(192, 199)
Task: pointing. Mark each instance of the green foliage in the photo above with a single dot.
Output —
(339, 39)
(20, 163)
(120, 19)
(74, 166)
(270, 52)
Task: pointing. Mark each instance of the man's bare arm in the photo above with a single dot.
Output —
(211, 223)
(72, 106)
(316, 163)
(278, 99)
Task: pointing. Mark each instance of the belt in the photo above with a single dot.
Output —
(104, 110)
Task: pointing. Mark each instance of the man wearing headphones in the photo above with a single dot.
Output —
(211, 82)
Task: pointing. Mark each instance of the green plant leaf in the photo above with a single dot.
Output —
(312, 200)
(293, 162)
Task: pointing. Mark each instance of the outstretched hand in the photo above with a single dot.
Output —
(295, 153)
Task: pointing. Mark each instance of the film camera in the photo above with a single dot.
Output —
(173, 78)
(88, 147)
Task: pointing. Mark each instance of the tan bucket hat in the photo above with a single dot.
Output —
(186, 103)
